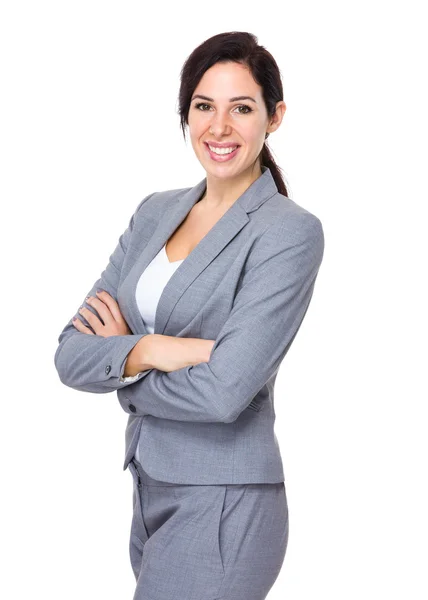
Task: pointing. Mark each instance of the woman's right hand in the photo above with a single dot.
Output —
(170, 353)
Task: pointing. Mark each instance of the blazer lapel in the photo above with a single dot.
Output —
(226, 228)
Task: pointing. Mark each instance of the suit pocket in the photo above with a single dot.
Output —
(229, 523)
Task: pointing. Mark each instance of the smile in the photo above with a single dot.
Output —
(222, 154)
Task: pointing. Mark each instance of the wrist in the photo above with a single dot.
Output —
(144, 355)
(137, 359)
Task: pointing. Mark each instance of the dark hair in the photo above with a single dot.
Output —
(243, 48)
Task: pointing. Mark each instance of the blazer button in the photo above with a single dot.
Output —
(132, 408)
(108, 369)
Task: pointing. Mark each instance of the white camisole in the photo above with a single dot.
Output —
(149, 290)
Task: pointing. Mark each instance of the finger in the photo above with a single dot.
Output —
(92, 319)
(79, 325)
(102, 309)
(112, 305)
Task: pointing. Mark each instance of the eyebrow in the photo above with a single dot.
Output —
(234, 99)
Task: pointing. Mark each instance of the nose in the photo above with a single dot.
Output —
(220, 125)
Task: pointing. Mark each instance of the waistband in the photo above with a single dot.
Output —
(144, 478)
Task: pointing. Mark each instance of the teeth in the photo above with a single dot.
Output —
(222, 150)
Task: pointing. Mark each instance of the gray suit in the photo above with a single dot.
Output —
(247, 285)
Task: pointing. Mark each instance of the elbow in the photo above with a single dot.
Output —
(236, 404)
(230, 412)
(228, 418)
(83, 371)
(65, 372)
(61, 360)
(220, 405)
(59, 365)
(62, 366)
(62, 374)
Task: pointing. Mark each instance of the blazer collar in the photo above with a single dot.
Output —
(254, 196)
(226, 228)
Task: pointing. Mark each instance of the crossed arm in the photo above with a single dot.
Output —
(109, 357)
(92, 363)
(166, 353)
(266, 315)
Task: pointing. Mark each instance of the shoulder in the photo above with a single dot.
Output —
(287, 229)
(156, 203)
(159, 198)
(282, 218)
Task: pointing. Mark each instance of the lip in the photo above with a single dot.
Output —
(220, 158)
(219, 145)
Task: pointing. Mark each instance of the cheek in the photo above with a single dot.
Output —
(197, 120)
(253, 138)
(195, 138)
(196, 129)
(252, 132)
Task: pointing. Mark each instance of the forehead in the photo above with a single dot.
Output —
(224, 80)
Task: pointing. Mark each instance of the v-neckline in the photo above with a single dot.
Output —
(173, 262)
(207, 250)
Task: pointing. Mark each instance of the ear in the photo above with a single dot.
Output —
(276, 120)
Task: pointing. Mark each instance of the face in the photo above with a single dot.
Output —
(217, 116)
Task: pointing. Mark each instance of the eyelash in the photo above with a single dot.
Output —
(240, 106)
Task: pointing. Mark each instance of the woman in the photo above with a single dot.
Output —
(189, 323)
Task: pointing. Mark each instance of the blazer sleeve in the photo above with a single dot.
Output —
(265, 317)
(92, 363)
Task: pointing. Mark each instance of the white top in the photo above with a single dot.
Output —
(151, 284)
(149, 290)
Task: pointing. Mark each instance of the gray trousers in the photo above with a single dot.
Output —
(206, 542)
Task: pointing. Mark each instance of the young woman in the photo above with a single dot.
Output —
(189, 323)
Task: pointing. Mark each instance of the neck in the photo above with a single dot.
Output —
(220, 193)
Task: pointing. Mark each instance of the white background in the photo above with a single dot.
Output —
(89, 126)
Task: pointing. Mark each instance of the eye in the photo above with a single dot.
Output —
(247, 107)
(199, 106)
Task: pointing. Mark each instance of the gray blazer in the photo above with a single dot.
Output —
(247, 285)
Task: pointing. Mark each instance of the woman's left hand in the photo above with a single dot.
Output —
(108, 309)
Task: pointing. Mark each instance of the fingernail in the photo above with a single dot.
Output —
(99, 290)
